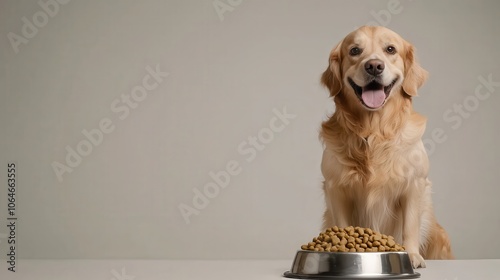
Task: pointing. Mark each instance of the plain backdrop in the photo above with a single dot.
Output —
(232, 65)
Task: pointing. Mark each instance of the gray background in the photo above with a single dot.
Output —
(225, 78)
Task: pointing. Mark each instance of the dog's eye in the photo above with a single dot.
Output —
(354, 51)
(390, 50)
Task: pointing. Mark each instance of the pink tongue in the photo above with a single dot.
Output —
(373, 98)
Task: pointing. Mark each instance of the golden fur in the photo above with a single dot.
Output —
(374, 163)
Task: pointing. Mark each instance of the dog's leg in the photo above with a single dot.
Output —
(338, 207)
(411, 227)
(438, 246)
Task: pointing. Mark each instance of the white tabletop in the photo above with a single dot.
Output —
(212, 270)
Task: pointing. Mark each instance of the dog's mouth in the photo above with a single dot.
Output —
(373, 95)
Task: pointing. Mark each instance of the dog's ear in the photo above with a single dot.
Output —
(331, 78)
(415, 75)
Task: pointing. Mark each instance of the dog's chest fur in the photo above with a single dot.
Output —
(375, 167)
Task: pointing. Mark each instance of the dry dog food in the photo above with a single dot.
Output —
(352, 239)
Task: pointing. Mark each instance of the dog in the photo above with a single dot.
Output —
(374, 162)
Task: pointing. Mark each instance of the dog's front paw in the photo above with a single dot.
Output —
(416, 260)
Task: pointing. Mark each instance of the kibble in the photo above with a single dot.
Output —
(352, 239)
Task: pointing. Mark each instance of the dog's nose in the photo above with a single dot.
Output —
(374, 67)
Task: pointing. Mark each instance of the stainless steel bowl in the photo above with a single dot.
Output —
(369, 265)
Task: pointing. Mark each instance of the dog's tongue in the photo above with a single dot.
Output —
(373, 98)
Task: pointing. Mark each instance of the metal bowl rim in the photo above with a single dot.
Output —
(352, 253)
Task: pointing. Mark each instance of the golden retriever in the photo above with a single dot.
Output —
(374, 162)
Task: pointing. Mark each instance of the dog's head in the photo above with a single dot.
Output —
(372, 65)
